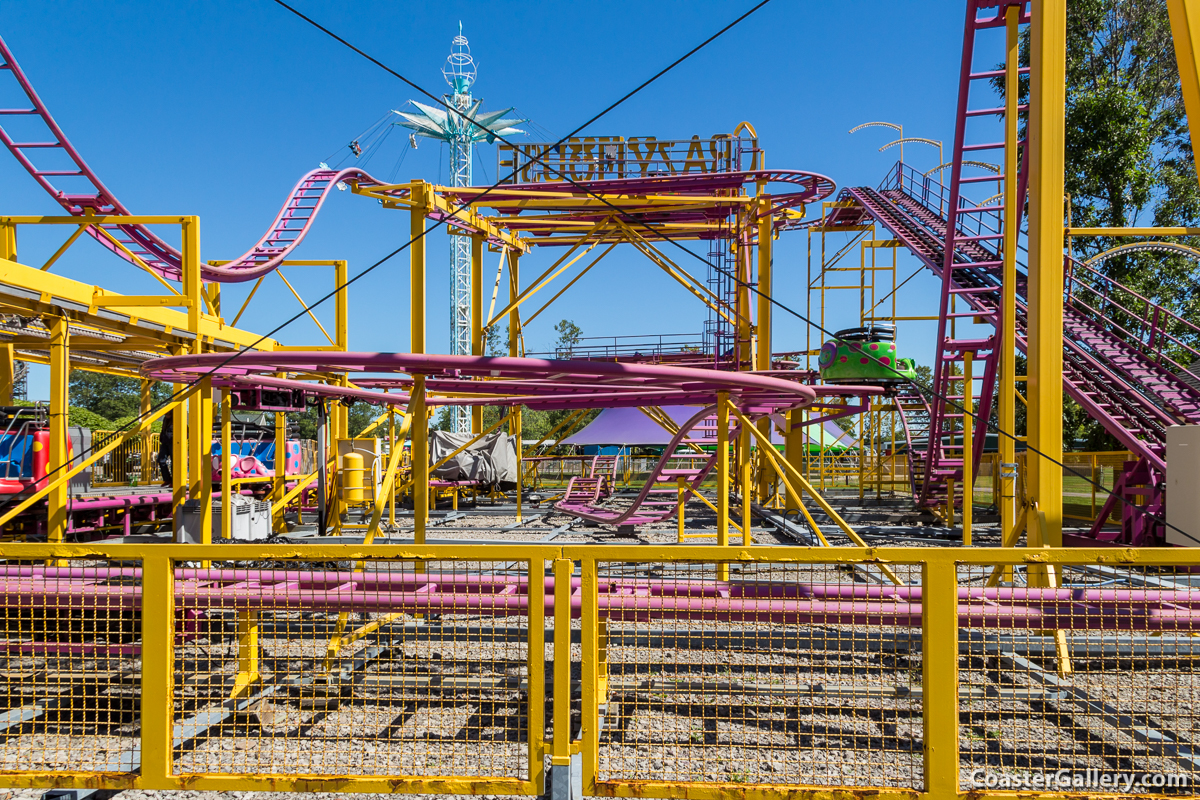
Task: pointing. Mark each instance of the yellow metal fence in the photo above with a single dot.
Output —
(670, 672)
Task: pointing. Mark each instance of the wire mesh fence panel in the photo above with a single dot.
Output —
(1079, 677)
(71, 667)
(755, 673)
(381, 667)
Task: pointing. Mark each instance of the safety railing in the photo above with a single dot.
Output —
(1160, 335)
(702, 672)
(133, 462)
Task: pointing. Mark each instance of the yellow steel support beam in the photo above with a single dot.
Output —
(55, 290)
(571, 282)
(279, 483)
(420, 458)
(763, 328)
(1047, 136)
(387, 487)
(62, 478)
(60, 378)
(1006, 405)
(8, 240)
(745, 479)
(416, 255)
(477, 243)
(514, 338)
(64, 247)
(968, 402)
(8, 371)
(1185, 30)
(226, 464)
(1168, 231)
(553, 271)
(794, 451)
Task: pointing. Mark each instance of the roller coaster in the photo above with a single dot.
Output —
(353, 598)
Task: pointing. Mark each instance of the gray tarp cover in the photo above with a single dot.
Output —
(491, 460)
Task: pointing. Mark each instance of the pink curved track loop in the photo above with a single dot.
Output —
(481, 380)
(662, 509)
(286, 232)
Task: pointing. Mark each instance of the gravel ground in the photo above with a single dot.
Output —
(699, 700)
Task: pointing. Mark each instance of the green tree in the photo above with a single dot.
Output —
(569, 335)
(1128, 162)
(109, 396)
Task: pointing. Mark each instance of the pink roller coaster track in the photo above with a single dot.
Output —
(288, 229)
(109, 589)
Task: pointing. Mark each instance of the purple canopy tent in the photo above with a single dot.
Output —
(630, 427)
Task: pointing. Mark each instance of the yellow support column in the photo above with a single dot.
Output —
(968, 402)
(746, 480)
(341, 319)
(279, 484)
(145, 403)
(420, 459)
(416, 255)
(179, 456)
(206, 440)
(226, 464)
(1007, 400)
(200, 456)
(763, 352)
(8, 241)
(8, 372)
(1185, 30)
(793, 451)
(477, 243)
(1046, 203)
(60, 377)
(392, 445)
(514, 338)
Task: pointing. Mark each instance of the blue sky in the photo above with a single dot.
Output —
(217, 109)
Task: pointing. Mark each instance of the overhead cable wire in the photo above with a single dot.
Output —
(567, 178)
(187, 388)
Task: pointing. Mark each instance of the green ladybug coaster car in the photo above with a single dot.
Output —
(865, 355)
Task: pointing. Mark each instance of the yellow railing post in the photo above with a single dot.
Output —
(158, 672)
(561, 755)
(589, 636)
(939, 676)
(535, 668)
